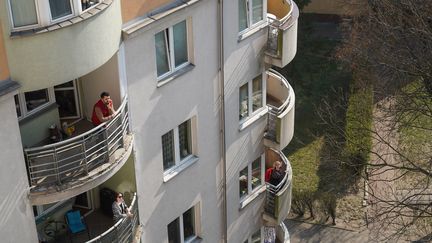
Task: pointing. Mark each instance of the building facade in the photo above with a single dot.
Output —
(200, 117)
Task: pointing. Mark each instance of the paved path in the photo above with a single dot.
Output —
(306, 232)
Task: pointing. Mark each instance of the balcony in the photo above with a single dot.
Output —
(49, 54)
(278, 198)
(67, 168)
(281, 102)
(282, 16)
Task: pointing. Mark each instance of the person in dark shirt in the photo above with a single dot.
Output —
(120, 209)
(275, 174)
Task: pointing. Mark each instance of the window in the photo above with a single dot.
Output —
(251, 177)
(171, 49)
(27, 14)
(184, 228)
(250, 13)
(177, 145)
(30, 102)
(254, 238)
(251, 98)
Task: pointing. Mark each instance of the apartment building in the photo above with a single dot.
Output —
(200, 116)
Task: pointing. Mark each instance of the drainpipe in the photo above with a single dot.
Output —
(221, 73)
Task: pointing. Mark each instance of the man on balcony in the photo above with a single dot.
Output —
(103, 110)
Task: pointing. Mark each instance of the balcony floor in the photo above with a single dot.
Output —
(97, 223)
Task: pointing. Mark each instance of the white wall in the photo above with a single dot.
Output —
(154, 111)
(243, 62)
(16, 216)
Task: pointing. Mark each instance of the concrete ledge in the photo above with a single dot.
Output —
(8, 86)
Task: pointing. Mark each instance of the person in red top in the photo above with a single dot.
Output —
(103, 110)
(274, 175)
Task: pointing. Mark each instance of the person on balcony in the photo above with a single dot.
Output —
(275, 174)
(103, 110)
(120, 209)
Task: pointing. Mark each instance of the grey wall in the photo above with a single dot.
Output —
(155, 111)
(16, 217)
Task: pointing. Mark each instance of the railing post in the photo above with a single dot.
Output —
(56, 167)
(105, 134)
(84, 149)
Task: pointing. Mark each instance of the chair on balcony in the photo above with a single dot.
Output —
(75, 224)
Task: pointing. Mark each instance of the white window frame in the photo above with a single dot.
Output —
(252, 113)
(170, 49)
(23, 107)
(43, 13)
(75, 89)
(196, 221)
(181, 164)
(249, 12)
(252, 194)
(249, 239)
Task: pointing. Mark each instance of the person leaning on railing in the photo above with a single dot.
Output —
(120, 209)
(103, 110)
(275, 174)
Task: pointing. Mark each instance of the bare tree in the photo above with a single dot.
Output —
(388, 46)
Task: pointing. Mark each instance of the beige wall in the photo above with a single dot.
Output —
(124, 180)
(132, 9)
(326, 7)
(4, 69)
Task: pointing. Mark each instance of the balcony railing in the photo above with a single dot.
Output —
(276, 234)
(125, 230)
(278, 198)
(282, 35)
(280, 122)
(73, 159)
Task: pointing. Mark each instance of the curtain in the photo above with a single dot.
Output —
(257, 11)
(60, 8)
(243, 20)
(23, 12)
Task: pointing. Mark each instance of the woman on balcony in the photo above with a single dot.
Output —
(120, 209)
(275, 174)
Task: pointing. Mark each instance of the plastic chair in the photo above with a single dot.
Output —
(75, 223)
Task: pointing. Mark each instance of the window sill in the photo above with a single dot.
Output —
(249, 198)
(195, 239)
(172, 172)
(175, 74)
(248, 121)
(248, 32)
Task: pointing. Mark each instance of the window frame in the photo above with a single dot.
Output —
(249, 17)
(23, 107)
(252, 193)
(169, 45)
(196, 223)
(250, 112)
(180, 164)
(44, 16)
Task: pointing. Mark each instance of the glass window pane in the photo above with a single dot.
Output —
(17, 106)
(256, 173)
(243, 182)
(23, 12)
(37, 98)
(257, 93)
(162, 61)
(189, 224)
(174, 231)
(168, 150)
(185, 139)
(66, 101)
(243, 22)
(180, 43)
(243, 102)
(257, 11)
(256, 237)
(60, 8)
(65, 85)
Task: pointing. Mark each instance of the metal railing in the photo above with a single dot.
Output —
(124, 230)
(74, 158)
(275, 114)
(278, 197)
(274, 43)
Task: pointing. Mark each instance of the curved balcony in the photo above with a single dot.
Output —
(281, 103)
(49, 56)
(125, 230)
(278, 198)
(282, 16)
(65, 169)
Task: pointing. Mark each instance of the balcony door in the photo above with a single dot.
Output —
(67, 98)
